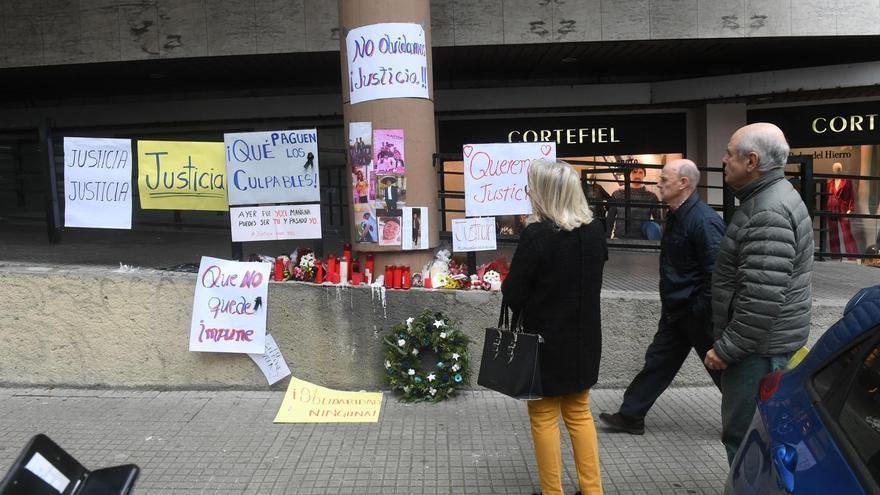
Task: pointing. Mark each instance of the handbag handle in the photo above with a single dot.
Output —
(504, 318)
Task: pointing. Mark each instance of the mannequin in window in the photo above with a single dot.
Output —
(840, 200)
(643, 217)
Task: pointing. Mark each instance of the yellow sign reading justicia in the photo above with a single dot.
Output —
(176, 175)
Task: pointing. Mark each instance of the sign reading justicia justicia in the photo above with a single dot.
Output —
(388, 60)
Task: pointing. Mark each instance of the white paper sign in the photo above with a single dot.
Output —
(229, 308)
(272, 167)
(496, 177)
(387, 60)
(272, 363)
(270, 223)
(415, 227)
(473, 234)
(97, 183)
(47, 472)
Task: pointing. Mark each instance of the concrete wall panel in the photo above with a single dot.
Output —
(182, 28)
(528, 21)
(722, 19)
(231, 27)
(99, 22)
(24, 32)
(322, 25)
(626, 19)
(66, 31)
(674, 19)
(95, 327)
(61, 32)
(858, 17)
(281, 26)
(577, 21)
(768, 18)
(139, 30)
(813, 18)
(478, 22)
(442, 25)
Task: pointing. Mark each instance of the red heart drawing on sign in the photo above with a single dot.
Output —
(468, 150)
(545, 149)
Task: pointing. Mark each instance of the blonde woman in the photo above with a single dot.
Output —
(554, 282)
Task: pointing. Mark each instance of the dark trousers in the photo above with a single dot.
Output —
(664, 357)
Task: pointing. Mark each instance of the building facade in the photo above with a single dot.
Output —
(612, 82)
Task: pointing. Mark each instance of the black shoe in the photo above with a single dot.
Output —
(617, 422)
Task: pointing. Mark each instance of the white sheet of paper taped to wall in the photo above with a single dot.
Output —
(44, 470)
(272, 363)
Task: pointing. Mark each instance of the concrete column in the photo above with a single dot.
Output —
(721, 121)
(414, 115)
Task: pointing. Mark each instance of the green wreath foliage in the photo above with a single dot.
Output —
(406, 351)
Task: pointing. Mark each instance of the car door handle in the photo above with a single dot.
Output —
(785, 461)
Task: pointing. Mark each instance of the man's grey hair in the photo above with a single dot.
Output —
(689, 169)
(768, 144)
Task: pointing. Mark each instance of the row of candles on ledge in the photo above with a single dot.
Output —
(346, 271)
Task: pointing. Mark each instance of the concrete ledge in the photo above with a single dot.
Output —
(99, 327)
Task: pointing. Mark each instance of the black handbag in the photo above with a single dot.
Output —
(511, 363)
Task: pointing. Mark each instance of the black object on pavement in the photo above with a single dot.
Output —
(44, 468)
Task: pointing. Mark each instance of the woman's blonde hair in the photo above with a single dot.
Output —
(556, 195)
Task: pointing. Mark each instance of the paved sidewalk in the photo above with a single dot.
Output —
(224, 442)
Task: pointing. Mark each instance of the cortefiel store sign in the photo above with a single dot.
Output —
(586, 135)
(825, 125)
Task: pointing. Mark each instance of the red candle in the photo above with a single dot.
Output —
(279, 269)
(319, 272)
(368, 268)
(398, 273)
(406, 278)
(331, 265)
(389, 276)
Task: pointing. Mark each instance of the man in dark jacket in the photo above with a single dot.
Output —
(761, 286)
(687, 256)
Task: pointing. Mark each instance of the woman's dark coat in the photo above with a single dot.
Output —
(555, 278)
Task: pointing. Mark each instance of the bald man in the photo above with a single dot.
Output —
(761, 286)
(687, 256)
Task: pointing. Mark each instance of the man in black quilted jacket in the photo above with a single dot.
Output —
(761, 286)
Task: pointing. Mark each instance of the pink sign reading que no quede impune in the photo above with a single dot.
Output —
(496, 176)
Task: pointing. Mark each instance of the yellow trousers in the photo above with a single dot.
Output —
(544, 417)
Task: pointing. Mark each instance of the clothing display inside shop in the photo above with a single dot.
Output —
(840, 200)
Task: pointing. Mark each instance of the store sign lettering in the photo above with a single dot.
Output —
(565, 136)
(839, 123)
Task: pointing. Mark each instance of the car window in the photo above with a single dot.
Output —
(860, 415)
(824, 380)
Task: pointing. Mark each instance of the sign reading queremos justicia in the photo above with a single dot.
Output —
(825, 125)
(582, 135)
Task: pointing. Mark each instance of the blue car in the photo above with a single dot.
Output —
(817, 426)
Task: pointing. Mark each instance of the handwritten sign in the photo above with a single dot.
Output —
(181, 176)
(496, 177)
(271, 362)
(270, 223)
(388, 60)
(272, 167)
(97, 183)
(229, 308)
(473, 234)
(306, 402)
